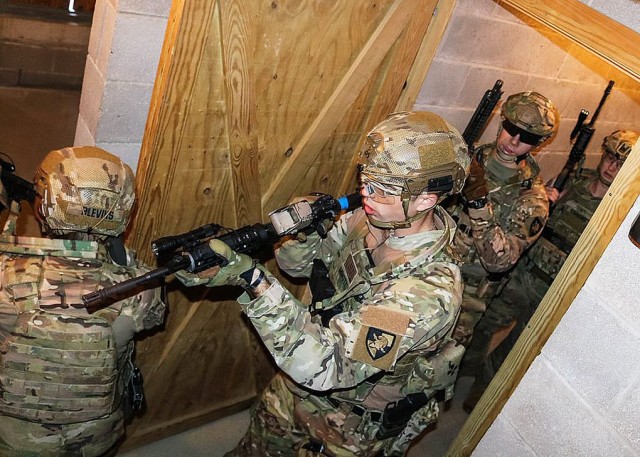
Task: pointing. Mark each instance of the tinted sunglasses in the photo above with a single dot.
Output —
(525, 137)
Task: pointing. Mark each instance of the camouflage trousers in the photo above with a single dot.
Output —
(96, 438)
(516, 302)
(290, 425)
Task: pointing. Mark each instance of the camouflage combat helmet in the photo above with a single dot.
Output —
(410, 153)
(84, 189)
(533, 113)
(620, 143)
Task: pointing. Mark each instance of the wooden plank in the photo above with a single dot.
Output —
(184, 179)
(604, 37)
(442, 11)
(354, 80)
(596, 236)
(238, 43)
(394, 77)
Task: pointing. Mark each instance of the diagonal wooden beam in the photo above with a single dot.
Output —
(604, 37)
(345, 93)
(442, 11)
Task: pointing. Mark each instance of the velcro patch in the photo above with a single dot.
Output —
(379, 337)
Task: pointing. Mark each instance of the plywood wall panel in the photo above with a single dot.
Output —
(239, 84)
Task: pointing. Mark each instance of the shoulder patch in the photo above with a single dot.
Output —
(536, 226)
(378, 340)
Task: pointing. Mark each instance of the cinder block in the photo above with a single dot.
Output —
(620, 286)
(102, 35)
(136, 48)
(26, 57)
(128, 152)
(501, 440)
(144, 7)
(83, 136)
(554, 420)
(483, 8)
(626, 13)
(124, 112)
(434, 92)
(9, 76)
(50, 80)
(70, 61)
(625, 414)
(589, 362)
(92, 96)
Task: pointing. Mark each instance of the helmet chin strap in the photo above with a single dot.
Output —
(393, 225)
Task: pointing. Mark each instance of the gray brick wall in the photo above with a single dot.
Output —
(581, 396)
(42, 52)
(124, 50)
(484, 42)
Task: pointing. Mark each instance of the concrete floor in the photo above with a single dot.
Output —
(216, 438)
(36, 121)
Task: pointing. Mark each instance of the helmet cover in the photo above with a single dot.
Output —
(84, 189)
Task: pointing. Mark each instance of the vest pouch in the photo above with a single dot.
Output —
(544, 259)
(57, 368)
(491, 285)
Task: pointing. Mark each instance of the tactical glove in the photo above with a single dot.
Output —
(476, 186)
(229, 274)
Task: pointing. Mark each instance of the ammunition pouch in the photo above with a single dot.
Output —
(319, 283)
(396, 415)
(491, 285)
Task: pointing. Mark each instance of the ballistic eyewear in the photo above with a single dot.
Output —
(525, 137)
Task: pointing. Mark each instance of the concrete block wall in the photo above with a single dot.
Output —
(45, 50)
(485, 41)
(581, 396)
(124, 50)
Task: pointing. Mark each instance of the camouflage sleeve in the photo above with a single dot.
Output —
(499, 248)
(296, 258)
(147, 308)
(412, 313)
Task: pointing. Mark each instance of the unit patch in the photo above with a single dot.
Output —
(379, 342)
(536, 226)
(378, 339)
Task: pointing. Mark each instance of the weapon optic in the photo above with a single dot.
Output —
(190, 251)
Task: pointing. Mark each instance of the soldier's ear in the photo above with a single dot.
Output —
(426, 201)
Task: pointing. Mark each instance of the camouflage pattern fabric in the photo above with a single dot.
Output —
(492, 239)
(389, 341)
(533, 276)
(63, 371)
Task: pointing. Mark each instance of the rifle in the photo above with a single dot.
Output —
(583, 132)
(17, 188)
(190, 251)
(480, 117)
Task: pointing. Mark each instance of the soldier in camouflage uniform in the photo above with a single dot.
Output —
(63, 371)
(572, 210)
(362, 369)
(505, 209)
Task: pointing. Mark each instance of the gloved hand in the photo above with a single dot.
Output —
(230, 273)
(476, 185)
